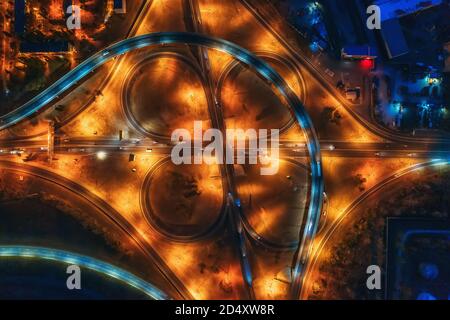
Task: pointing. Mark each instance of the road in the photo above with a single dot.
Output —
(288, 148)
(129, 76)
(318, 74)
(114, 216)
(146, 207)
(268, 56)
(83, 145)
(86, 262)
(328, 230)
(217, 119)
(69, 80)
(401, 146)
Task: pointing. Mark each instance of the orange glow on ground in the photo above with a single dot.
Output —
(55, 10)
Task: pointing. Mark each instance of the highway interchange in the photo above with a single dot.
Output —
(122, 47)
(394, 145)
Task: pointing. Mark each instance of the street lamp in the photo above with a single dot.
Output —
(101, 155)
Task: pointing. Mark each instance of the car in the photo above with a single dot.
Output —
(74, 150)
(17, 151)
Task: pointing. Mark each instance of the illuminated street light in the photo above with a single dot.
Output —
(101, 155)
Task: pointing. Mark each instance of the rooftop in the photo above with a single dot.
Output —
(392, 9)
(394, 39)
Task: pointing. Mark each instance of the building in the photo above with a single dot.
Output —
(49, 45)
(394, 9)
(393, 38)
(391, 29)
(359, 52)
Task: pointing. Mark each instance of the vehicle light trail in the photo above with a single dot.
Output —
(71, 78)
(86, 262)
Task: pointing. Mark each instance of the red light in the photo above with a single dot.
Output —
(367, 64)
